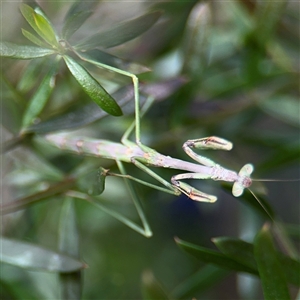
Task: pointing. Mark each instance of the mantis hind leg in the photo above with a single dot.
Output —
(137, 203)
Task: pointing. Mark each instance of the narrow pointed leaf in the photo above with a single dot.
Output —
(22, 52)
(151, 288)
(273, 279)
(236, 249)
(40, 24)
(268, 14)
(10, 107)
(88, 113)
(46, 29)
(243, 252)
(69, 244)
(93, 88)
(39, 99)
(74, 22)
(29, 77)
(285, 108)
(121, 33)
(199, 282)
(26, 255)
(105, 58)
(79, 6)
(213, 257)
(31, 37)
(37, 197)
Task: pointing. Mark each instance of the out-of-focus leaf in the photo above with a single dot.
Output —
(23, 52)
(93, 88)
(40, 24)
(69, 244)
(89, 113)
(268, 14)
(283, 155)
(68, 233)
(25, 255)
(121, 33)
(37, 197)
(207, 277)
(111, 60)
(197, 42)
(236, 249)
(31, 37)
(78, 13)
(291, 268)
(264, 208)
(80, 116)
(243, 252)
(151, 288)
(30, 74)
(273, 279)
(10, 106)
(73, 23)
(213, 257)
(285, 108)
(80, 6)
(40, 97)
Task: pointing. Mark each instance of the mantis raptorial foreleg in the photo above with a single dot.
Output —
(213, 142)
(219, 173)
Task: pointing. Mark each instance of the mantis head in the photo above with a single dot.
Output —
(244, 180)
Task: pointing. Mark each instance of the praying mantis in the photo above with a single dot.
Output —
(143, 157)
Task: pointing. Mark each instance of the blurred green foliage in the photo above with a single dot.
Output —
(240, 61)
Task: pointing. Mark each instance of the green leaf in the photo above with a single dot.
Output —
(40, 24)
(243, 252)
(78, 13)
(73, 23)
(85, 114)
(151, 288)
(39, 99)
(236, 249)
(31, 37)
(25, 255)
(10, 106)
(114, 61)
(199, 282)
(23, 52)
(285, 108)
(23, 202)
(213, 257)
(93, 88)
(268, 14)
(69, 244)
(121, 33)
(30, 74)
(273, 279)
